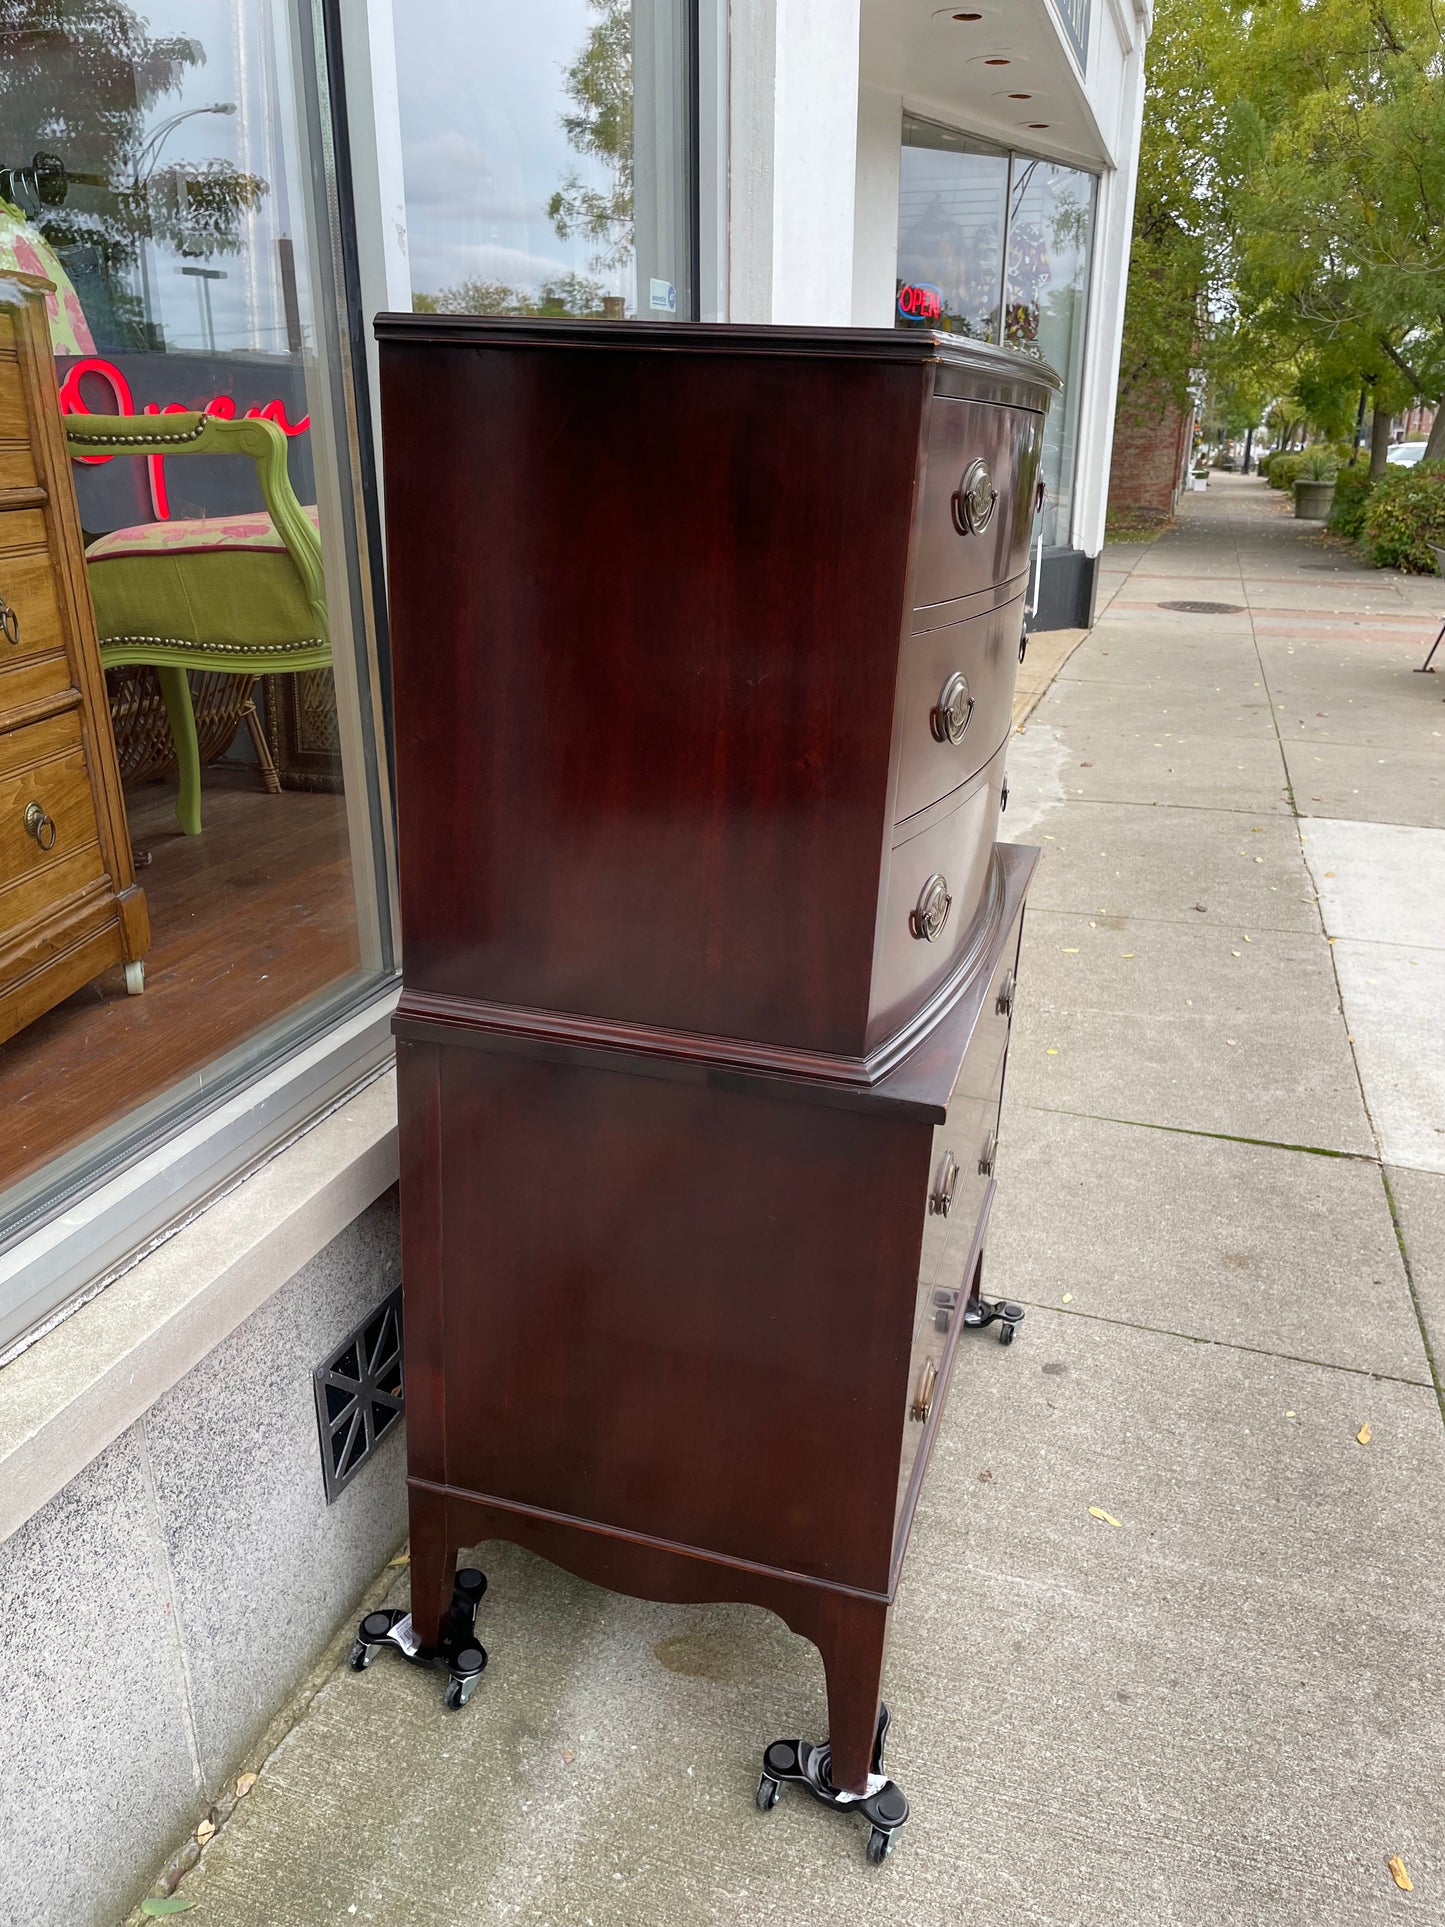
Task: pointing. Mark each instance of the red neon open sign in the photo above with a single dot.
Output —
(920, 301)
(72, 402)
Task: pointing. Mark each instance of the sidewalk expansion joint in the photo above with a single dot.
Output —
(1224, 1137)
(1229, 1345)
(1414, 1291)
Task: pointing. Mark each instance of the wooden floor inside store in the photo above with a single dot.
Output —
(248, 920)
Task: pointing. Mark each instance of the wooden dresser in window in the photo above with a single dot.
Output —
(704, 643)
(69, 905)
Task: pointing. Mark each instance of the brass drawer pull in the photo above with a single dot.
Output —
(40, 826)
(1004, 1002)
(987, 1154)
(941, 1197)
(930, 913)
(952, 712)
(923, 1398)
(975, 501)
(9, 624)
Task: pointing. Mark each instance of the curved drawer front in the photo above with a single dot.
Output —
(978, 499)
(955, 697)
(935, 887)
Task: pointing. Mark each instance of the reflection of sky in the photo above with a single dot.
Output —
(481, 86)
(247, 57)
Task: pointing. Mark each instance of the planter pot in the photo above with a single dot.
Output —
(1312, 500)
(1199, 481)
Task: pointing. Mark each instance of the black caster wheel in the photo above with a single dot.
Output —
(769, 1794)
(1006, 1334)
(361, 1656)
(880, 1845)
(468, 1666)
(799, 1763)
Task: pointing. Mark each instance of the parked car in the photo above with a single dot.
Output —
(1405, 454)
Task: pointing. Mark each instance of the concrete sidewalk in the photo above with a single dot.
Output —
(1222, 1196)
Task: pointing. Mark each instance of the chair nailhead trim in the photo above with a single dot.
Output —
(218, 648)
(175, 438)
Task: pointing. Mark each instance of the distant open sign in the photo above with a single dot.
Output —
(920, 301)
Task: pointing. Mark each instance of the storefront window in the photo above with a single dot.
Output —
(1051, 221)
(548, 156)
(151, 169)
(996, 246)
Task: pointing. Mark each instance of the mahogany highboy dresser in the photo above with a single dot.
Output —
(704, 648)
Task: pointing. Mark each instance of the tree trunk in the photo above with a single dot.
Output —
(1379, 440)
(1248, 448)
(1435, 446)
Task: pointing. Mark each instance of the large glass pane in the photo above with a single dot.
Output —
(1051, 224)
(149, 167)
(952, 207)
(548, 156)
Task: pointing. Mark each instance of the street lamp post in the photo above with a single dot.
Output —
(150, 150)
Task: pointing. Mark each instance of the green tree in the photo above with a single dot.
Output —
(599, 85)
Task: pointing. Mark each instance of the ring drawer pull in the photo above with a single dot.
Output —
(941, 1197)
(9, 624)
(987, 1154)
(952, 712)
(923, 1398)
(975, 501)
(1004, 1002)
(40, 826)
(930, 913)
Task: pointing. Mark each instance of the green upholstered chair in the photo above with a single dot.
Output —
(238, 593)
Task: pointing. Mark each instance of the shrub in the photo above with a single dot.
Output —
(1404, 516)
(1352, 492)
(1284, 470)
(1319, 466)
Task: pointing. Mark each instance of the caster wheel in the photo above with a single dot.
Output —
(361, 1656)
(880, 1845)
(1006, 1334)
(769, 1794)
(458, 1692)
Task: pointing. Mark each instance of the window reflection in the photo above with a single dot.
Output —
(147, 172)
(547, 159)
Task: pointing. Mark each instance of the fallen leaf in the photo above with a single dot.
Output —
(1364, 1435)
(401, 1559)
(205, 1830)
(1248, 939)
(1067, 952)
(1236, 953)
(1126, 954)
(568, 1756)
(1051, 1052)
(1259, 859)
(1067, 1299)
(244, 1785)
(175, 1904)
(985, 1477)
(1098, 1512)
(1398, 1874)
(1290, 1414)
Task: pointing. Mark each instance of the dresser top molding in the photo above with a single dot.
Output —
(963, 370)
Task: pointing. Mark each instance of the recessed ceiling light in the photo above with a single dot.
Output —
(1020, 96)
(968, 16)
(996, 63)
(1037, 126)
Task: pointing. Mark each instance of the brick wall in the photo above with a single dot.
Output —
(1151, 436)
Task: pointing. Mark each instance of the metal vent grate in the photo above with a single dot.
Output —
(1205, 608)
(360, 1395)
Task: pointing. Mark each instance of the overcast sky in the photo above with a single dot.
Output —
(481, 85)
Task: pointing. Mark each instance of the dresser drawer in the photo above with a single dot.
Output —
(30, 623)
(977, 508)
(934, 887)
(47, 815)
(955, 700)
(14, 417)
(963, 1153)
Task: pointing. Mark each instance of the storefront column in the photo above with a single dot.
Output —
(794, 114)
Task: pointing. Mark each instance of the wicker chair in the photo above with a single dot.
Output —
(239, 595)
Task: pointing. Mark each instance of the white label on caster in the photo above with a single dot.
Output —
(403, 1634)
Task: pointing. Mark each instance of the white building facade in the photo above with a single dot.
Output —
(199, 1213)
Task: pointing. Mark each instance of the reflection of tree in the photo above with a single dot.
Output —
(566, 294)
(599, 84)
(77, 78)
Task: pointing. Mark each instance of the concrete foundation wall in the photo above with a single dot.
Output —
(157, 1614)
